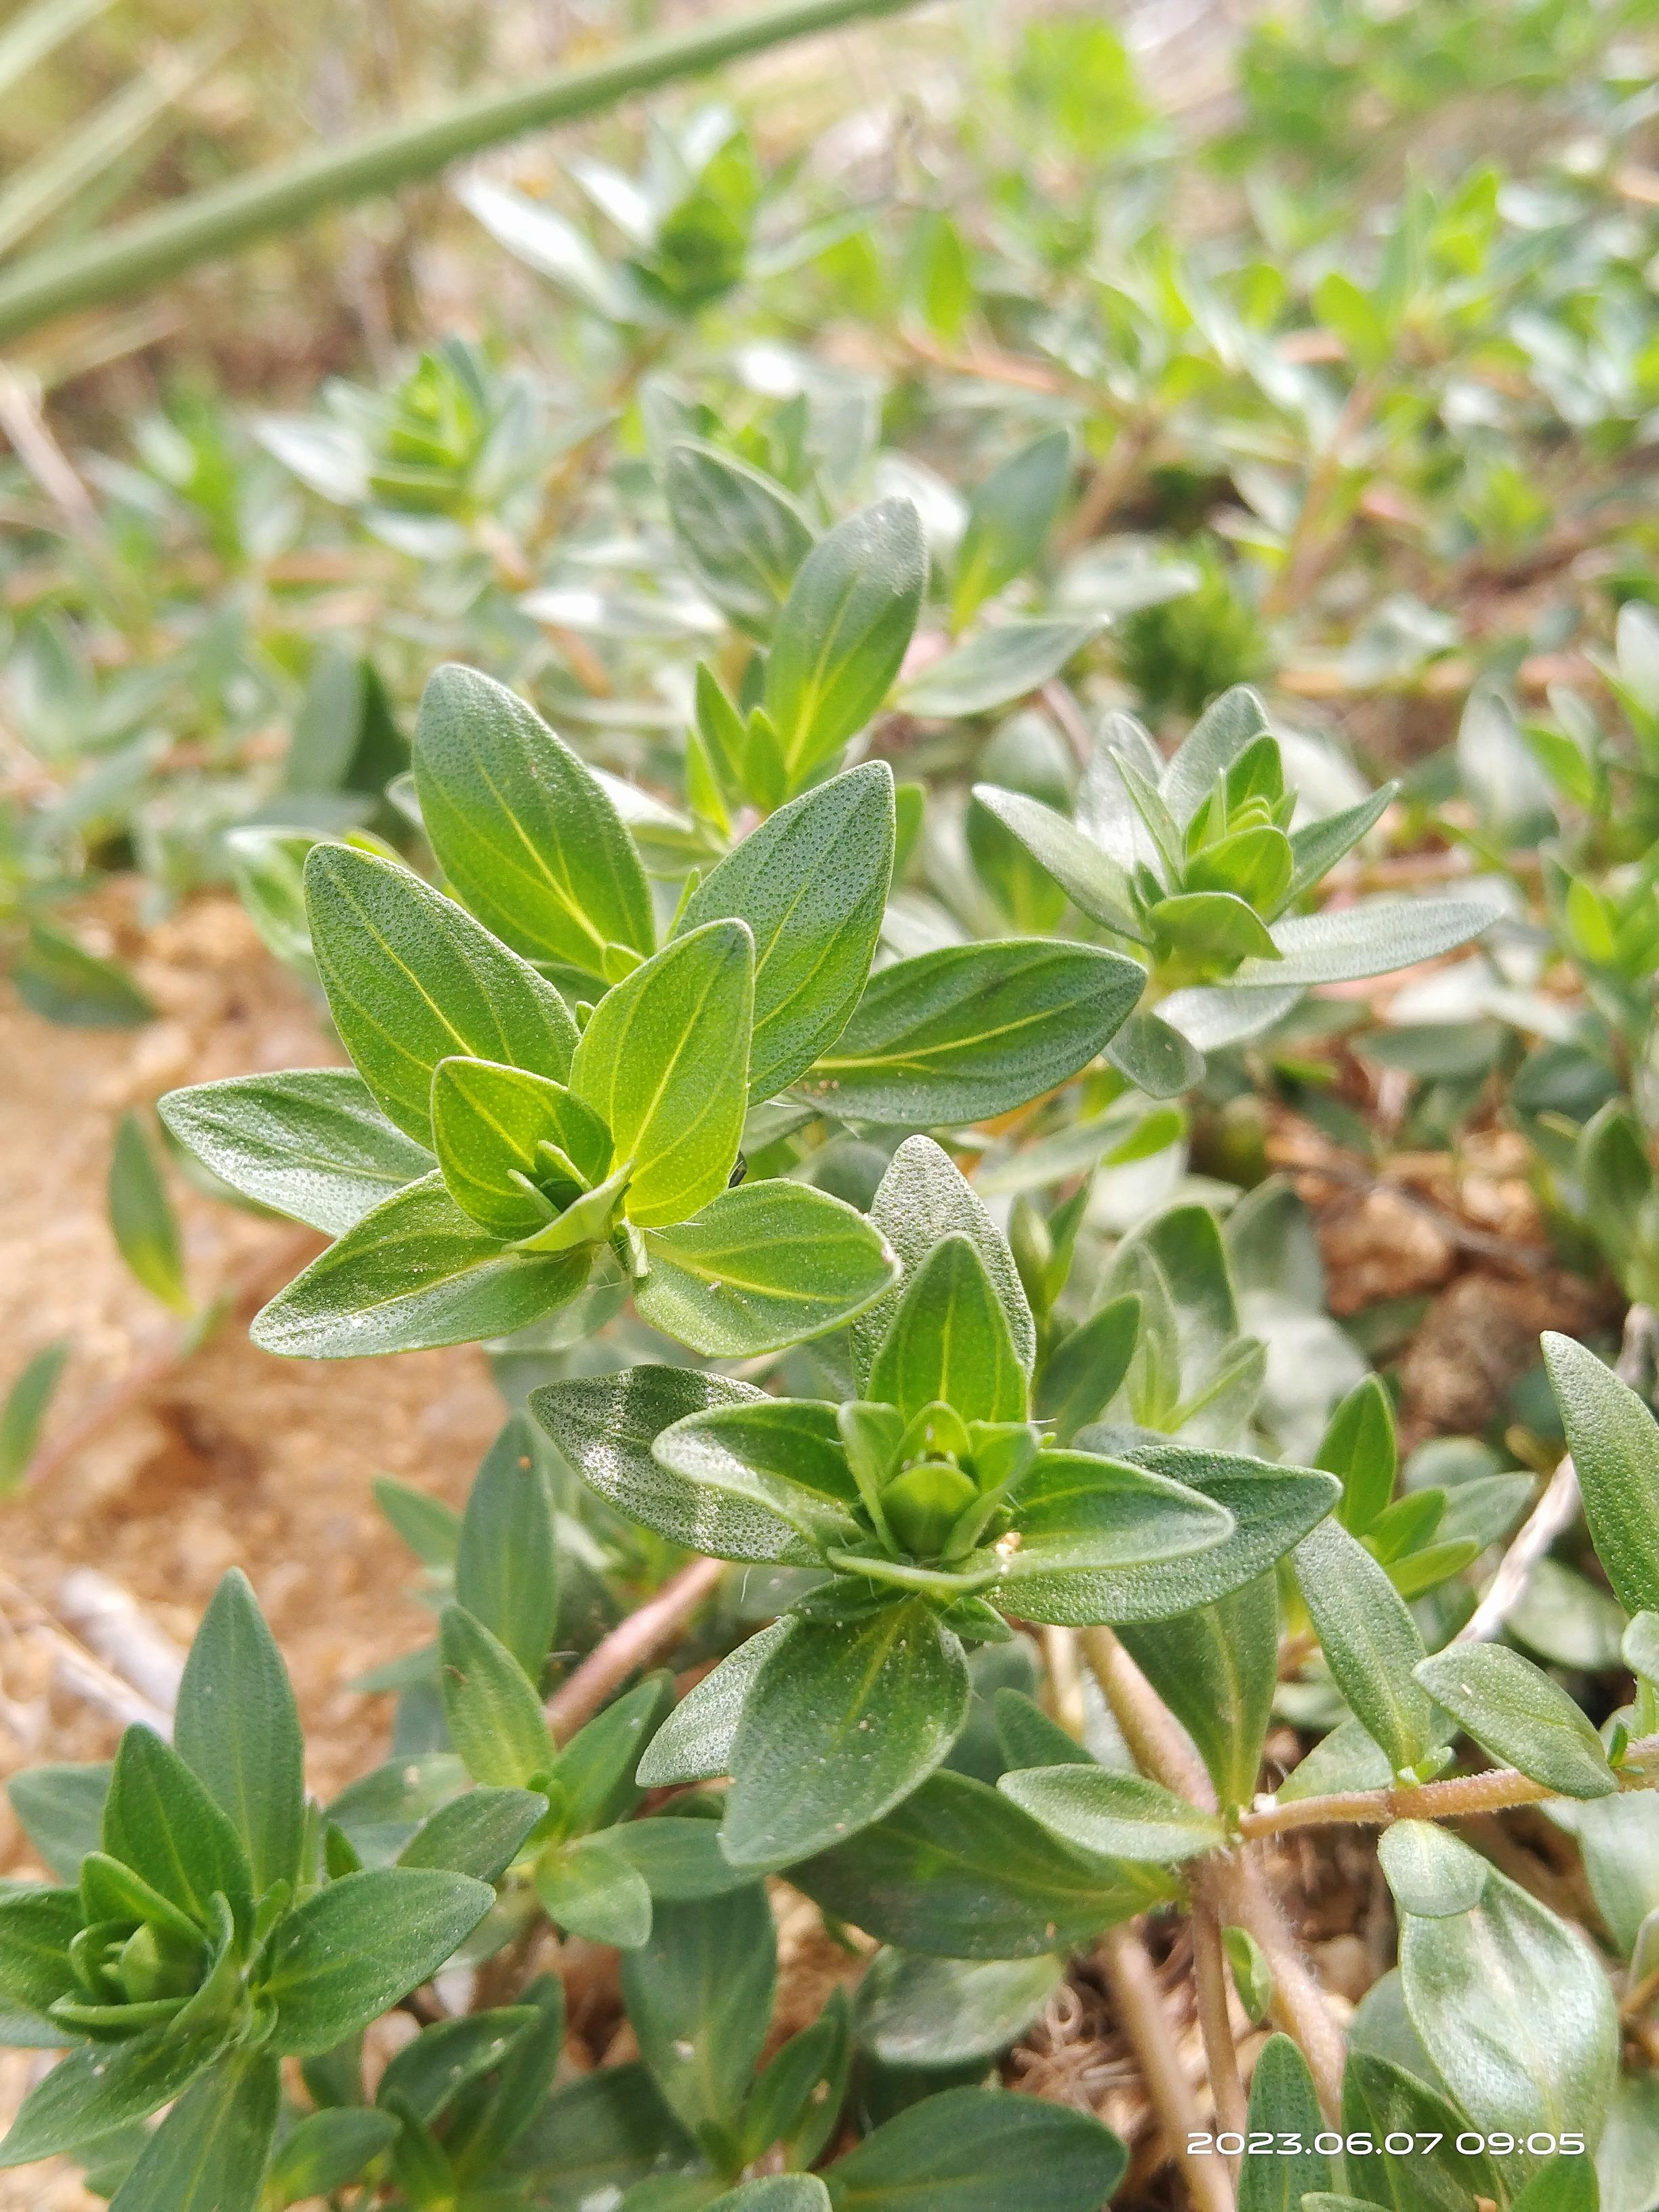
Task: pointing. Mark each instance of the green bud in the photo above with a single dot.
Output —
(922, 1505)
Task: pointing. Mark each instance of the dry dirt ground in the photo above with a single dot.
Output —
(238, 1459)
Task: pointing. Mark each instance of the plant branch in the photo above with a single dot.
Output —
(631, 1644)
(135, 256)
(1462, 1795)
(1215, 2018)
(1145, 2025)
(1230, 1883)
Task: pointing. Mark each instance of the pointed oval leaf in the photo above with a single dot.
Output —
(1370, 1642)
(1089, 877)
(1117, 1816)
(1375, 937)
(352, 1950)
(664, 1062)
(415, 1273)
(1078, 1517)
(997, 666)
(981, 2150)
(1215, 741)
(307, 1142)
(1285, 2105)
(522, 829)
(699, 1996)
(96, 2089)
(237, 1729)
(488, 1125)
(494, 1713)
(950, 1341)
(742, 536)
(1217, 1668)
(1615, 1447)
(412, 978)
(916, 2011)
(973, 1030)
(1513, 1710)
(811, 884)
(506, 1564)
(923, 1198)
(160, 1820)
(211, 2152)
(694, 1744)
(588, 1888)
(768, 1264)
(841, 636)
(477, 1833)
(840, 1724)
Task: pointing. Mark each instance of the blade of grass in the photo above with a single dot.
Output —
(34, 33)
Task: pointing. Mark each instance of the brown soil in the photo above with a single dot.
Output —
(238, 1459)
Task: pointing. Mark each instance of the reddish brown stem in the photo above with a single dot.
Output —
(631, 1644)
(1145, 2022)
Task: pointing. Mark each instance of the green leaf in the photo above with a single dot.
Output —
(506, 1566)
(1217, 1668)
(324, 2151)
(1156, 1058)
(1283, 2103)
(1211, 925)
(412, 978)
(496, 1129)
(589, 1888)
(98, 2088)
(699, 1995)
(1513, 1710)
(916, 2011)
(842, 1722)
(1008, 518)
(237, 1729)
(1271, 1506)
(491, 1705)
(58, 978)
(763, 1468)
(1369, 1641)
(1215, 741)
(140, 1215)
(811, 884)
(307, 1142)
(1566, 2183)
(415, 1273)
(741, 535)
(210, 2152)
(970, 1031)
(486, 2132)
(950, 1341)
(844, 631)
(1381, 2101)
(430, 1526)
(776, 2192)
(922, 1199)
(1514, 2008)
(769, 1264)
(1085, 1521)
(596, 2136)
(664, 1061)
(61, 1811)
(694, 1744)
(1372, 939)
(1081, 1375)
(1317, 849)
(606, 1425)
(981, 2150)
(959, 1871)
(1614, 1442)
(524, 830)
(477, 1833)
(1096, 884)
(37, 1927)
(160, 1821)
(595, 1769)
(1431, 1873)
(1358, 1448)
(679, 1857)
(353, 1949)
(23, 1414)
(996, 667)
(1115, 1815)
(1026, 1736)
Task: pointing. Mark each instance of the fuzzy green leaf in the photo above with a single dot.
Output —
(1089, 877)
(741, 535)
(996, 667)
(588, 1888)
(1283, 2104)
(160, 1820)
(1113, 1815)
(840, 1724)
(1008, 518)
(477, 1833)
(524, 830)
(768, 1264)
(307, 1142)
(1369, 1641)
(973, 1030)
(923, 1198)
(1218, 1667)
(1513, 1710)
(950, 1341)
(699, 1995)
(354, 1948)
(141, 1217)
(844, 631)
(96, 2089)
(489, 1123)
(237, 1729)
(415, 1273)
(210, 2152)
(1616, 1448)
(811, 884)
(506, 1565)
(494, 1713)
(664, 1062)
(412, 978)
(981, 2150)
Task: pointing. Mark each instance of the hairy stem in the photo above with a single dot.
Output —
(1232, 1884)
(1215, 2018)
(631, 1644)
(1146, 2024)
(1453, 1799)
